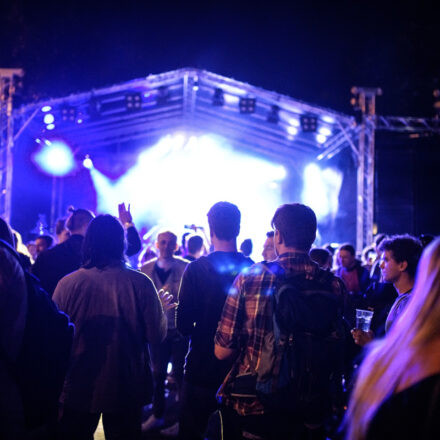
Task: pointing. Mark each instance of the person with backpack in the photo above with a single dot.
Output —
(282, 322)
(205, 285)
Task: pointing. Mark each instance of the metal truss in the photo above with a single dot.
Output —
(407, 124)
(184, 100)
(7, 90)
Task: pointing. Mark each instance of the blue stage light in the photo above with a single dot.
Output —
(55, 159)
(325, 131)
(49, 118)
(46, 108)
(87, 162)
(50, 127)
(320, 138)
(321, 190)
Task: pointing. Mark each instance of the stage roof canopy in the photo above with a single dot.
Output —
(258, 120)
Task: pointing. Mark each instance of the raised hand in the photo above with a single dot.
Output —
(124, 213)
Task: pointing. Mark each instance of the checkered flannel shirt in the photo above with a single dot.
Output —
(247, 317)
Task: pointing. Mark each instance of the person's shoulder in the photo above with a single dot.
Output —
(148, 266)
(180, 261)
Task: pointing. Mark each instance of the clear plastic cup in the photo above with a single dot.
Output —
(363, 319)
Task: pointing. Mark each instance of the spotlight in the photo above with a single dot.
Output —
(325, 131)
(133, 101)
(292, 130)
(46, 108)
(49, 118)
(308, 123)
(50, 126)
(273, 116)
(247, 105)
(68, 113)
(87, 162)
(163, 95)
(55, 158)
(218, 98)
(320, 138)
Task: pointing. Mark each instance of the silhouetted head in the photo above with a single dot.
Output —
(296, 223)
(224, 221)
(104, 242)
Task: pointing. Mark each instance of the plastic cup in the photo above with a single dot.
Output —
(363, 319)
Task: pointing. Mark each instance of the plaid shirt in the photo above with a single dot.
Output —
(247, 317)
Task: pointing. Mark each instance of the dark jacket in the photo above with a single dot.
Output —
(205, 285)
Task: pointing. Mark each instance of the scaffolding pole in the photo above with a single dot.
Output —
(366, 103)
(7, 91)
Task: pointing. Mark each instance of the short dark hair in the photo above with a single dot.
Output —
(320, 255)
(104, 242)
(47, 238)
(296, 224)
(348, 247)
(224, 220)
(404, 248)
(246, 247)
(78, 219)
(194, 244)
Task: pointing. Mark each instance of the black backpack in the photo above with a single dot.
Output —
(301, 366)
(42, 362)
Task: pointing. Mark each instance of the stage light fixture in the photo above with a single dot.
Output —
(325, 131)
(55, 158)
(163, 95)
(274, 114)
(87, 162)
(292, 130)
(49, 118)
(218, 98)
(68, 113)
(320, 138)
(328, 119)
(46, 108)
(309, 123)
(50, 127)
(133, 101)
(247, 105)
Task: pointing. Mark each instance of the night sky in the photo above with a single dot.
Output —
(313, 51)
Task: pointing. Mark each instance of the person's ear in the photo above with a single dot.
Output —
(156, 245)
(176, 247)
(278, 237)
(403, 266)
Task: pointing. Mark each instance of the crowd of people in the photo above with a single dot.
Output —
(265, 350)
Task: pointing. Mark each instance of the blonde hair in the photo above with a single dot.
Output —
(389, 360)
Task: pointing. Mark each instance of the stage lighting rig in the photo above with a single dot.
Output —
(309, 123)
(218, 98)
(274, 116)
(247, 105)
(94, 109)
(68, 113)
(163, 95)
(133, 101)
